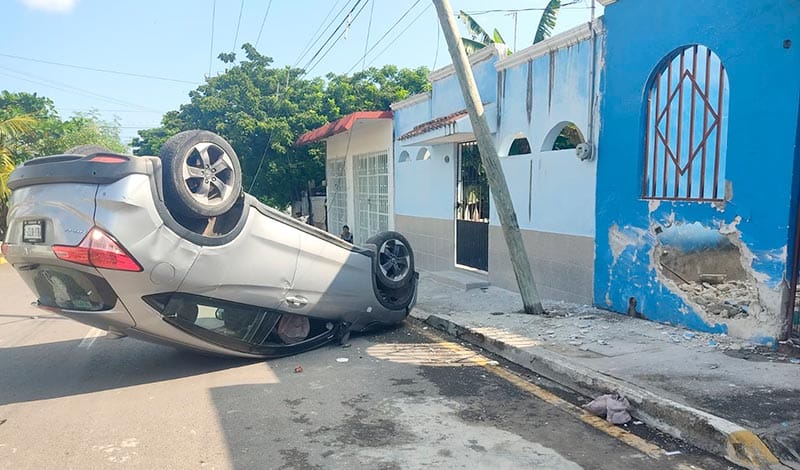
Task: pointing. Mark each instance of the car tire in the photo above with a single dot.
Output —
(201, 174)
(394, 260)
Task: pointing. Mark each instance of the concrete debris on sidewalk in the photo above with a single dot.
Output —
(726, 395)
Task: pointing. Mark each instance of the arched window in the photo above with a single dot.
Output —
(404, 157)
(686, 127)
(423, 154)
(564, 135)
(520, 146)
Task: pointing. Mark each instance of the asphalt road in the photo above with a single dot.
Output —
(397, 399)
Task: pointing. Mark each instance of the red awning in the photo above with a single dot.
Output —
(434, 124)
(338, 126)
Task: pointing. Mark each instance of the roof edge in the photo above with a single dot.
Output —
(411, 100)
(567, 38)
(480, 56)
(343, 124)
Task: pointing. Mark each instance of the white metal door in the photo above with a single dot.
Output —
(371, 176)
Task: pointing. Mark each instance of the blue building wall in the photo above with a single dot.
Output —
(764, 100)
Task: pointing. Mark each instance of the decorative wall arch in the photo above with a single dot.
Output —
(404, 157)
(685, 137)
(424, 154)
(564, 135)
(519, 146)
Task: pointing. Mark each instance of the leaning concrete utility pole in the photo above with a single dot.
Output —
(491, 163)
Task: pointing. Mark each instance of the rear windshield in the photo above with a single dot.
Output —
(70, 289)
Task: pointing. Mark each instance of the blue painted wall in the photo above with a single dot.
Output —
(748, 36)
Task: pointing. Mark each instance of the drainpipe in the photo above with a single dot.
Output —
(593, 86)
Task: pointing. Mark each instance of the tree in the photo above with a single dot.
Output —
(262, 110)
(480, 38)
(12, 132)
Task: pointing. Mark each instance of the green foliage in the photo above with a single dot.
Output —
(476, 31)
(50, 134)
(12, 129)
(262, 110)
(548, 21)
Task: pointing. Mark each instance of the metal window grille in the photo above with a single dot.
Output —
(686, 133)
(372, 194)
(337, 195)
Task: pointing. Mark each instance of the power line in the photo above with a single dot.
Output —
(369, 28)
(95, 69)
(315, 37)
(392, 43)
(308, 67)
(311, 46)
(262, 23)
(385, 34)
(70, 89)
(238, 23)
(483, 12)
(438, 36)
(211, 49)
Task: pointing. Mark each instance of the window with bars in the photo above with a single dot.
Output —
(337, 195)
(686, 128)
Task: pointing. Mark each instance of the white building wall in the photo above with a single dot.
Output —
(366, 136)
(553, 191)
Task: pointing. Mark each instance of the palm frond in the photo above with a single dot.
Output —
(497, 39)
(16, 126)
(548, 21)
(6, 167)
(472, 46)
(475, 30)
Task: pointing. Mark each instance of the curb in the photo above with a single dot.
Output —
(704, 430)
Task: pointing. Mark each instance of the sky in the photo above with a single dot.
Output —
(135, 60)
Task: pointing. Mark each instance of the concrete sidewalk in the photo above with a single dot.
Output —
(718, 393)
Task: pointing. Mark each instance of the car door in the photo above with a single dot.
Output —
(256, 268)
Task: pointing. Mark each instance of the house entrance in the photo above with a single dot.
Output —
(472, 209)
(371, 175)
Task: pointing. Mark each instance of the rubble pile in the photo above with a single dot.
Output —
(731, 299)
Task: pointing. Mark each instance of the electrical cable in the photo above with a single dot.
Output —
(392, 43)
(308, 66)
(316, 36)
(369, 28)
(71, 89)
(238, 23)
(95, 69)
(211, 49)
(385, 34)
(438, 36)
(258, 38)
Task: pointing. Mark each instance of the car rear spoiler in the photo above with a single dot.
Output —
(96, 168)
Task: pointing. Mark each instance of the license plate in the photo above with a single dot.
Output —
(33, 231)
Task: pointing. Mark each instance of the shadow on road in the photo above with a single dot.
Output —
(61, 369)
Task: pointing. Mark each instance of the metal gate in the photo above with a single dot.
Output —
(337, 195)
(472, 209)
(371, 176)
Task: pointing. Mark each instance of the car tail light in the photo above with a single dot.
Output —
(4, 248)
(98, 249)
(108, 159)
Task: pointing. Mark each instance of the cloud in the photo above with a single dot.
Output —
(54, 6)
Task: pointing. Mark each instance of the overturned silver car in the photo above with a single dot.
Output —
(169, 249)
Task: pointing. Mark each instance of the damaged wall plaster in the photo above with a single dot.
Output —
(709, 269)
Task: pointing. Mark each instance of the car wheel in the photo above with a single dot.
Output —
(394, 260)
(202, 175)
